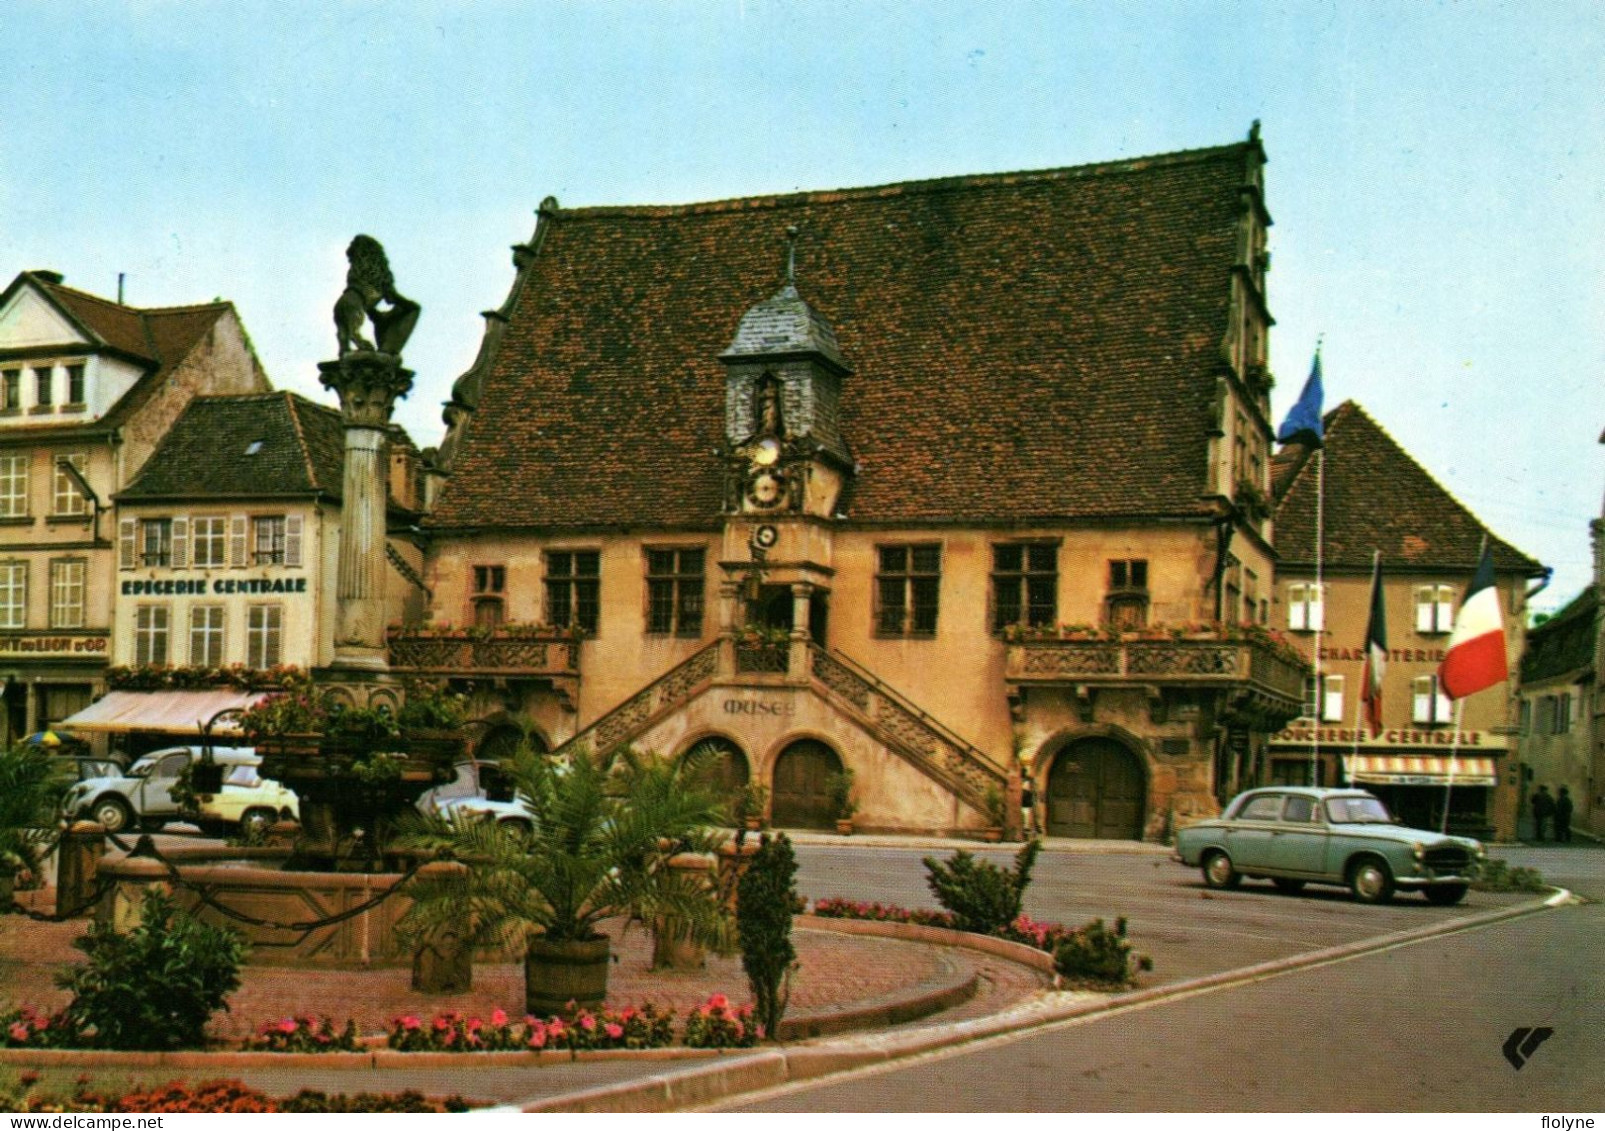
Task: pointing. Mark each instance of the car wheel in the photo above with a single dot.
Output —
(1291, 887)
(113, 813)
(1445, 895)
(256, 822)
(1219, 871)
(1370, 880)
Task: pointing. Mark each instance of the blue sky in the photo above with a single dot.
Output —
(1436, 170)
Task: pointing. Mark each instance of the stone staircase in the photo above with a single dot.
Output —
(884, 713)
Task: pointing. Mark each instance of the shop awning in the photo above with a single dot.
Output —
(175, 712)
(1418, 769)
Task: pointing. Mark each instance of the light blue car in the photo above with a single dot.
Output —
(1293, 835)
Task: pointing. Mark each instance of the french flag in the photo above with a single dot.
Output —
(1476, 656)
(1376, 651)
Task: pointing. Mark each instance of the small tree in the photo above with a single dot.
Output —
(982, 897)
(765, 900)
(156, 986)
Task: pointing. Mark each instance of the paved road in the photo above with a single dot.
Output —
(1413, 1028)
(1186, 928)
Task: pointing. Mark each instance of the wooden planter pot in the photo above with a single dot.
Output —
(561, 977)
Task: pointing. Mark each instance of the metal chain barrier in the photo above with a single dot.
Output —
(145, 847)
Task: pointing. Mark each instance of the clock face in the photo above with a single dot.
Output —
(764, 489)
(765, 537)
(766, 452)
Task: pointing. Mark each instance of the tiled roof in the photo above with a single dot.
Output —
(208, 452)
(1376, 498)
(1024, 346)
(1565, 642)
(161, 337)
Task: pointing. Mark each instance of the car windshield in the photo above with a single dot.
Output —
(1357, 811)
(244, 776)
(141, 768)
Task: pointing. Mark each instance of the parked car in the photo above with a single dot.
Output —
(247, 802)
(1294, 835)
(479, 789)
(143, 793)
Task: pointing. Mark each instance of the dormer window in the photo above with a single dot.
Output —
(43, 388)
(10, 390)
(75, 386)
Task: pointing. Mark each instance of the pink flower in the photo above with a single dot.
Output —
(556, 1028)
(614, 1030)
(19, 1031)
(537, 1037)
(588, 1023)
(288, 1025)
(718, 1001)
(410, 1022)
(474, 1025)
(499, 1018)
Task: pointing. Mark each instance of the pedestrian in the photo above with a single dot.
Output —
(1543, 810)
(1028, 810)
(1563, 816)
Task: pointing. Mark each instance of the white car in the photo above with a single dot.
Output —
(479, 789)
(144, 793)
(247, 801)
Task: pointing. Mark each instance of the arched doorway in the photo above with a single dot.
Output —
(1096, 790)
(724, 768)
(801, 798)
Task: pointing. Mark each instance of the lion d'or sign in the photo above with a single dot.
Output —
(760, 707)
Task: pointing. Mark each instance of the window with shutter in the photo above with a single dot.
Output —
(127, 533)
(180, 542)
(238, 525)
(292, 541)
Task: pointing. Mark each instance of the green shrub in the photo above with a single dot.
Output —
(982, 897)
(1496, 875)
(156, 986)
(1098, 956)
(765, 899)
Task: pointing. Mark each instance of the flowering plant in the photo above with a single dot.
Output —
(631, 1028)
(304, 1034)
(159, 677)
(716, 1024)
(26, 1027)
(831, 908)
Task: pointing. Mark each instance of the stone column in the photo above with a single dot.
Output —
(802, 593)
(368, 384)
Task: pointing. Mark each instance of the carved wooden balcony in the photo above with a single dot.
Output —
(554, 654)
(1202, 661)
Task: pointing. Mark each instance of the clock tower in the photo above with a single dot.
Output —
(784, 452)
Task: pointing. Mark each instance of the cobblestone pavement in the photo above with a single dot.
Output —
(833, 970)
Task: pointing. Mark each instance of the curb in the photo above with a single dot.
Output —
(706, 1085)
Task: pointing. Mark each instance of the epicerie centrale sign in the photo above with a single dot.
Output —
(220, 587)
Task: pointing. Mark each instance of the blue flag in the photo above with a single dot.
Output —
(1303, 424)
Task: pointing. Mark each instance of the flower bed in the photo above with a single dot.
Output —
(304, 1034)
(1089, 956)
(630, 1028)
(211, 1097)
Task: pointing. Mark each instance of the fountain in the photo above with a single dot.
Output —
(358, 746)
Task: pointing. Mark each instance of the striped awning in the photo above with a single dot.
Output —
(1419, 769)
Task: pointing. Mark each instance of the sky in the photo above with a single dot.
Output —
(1436, 176)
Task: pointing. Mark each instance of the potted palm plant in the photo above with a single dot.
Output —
(31, 784)
(603, 830)
(754, 805)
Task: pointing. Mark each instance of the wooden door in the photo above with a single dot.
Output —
(801, 796)
(1095, 790)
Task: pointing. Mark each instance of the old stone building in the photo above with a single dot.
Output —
(952, 484)
(227, 555)
(88, 387)
(1557, 694)
(1372, 497)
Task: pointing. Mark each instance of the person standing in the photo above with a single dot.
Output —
(1028, 809)
(1543, 810)
(1563, 816)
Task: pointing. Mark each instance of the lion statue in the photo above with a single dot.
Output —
(368, 284)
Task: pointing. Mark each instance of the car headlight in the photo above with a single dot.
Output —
(1418, 850)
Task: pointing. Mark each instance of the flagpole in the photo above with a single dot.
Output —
(1454, 756)
(1320, 628)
